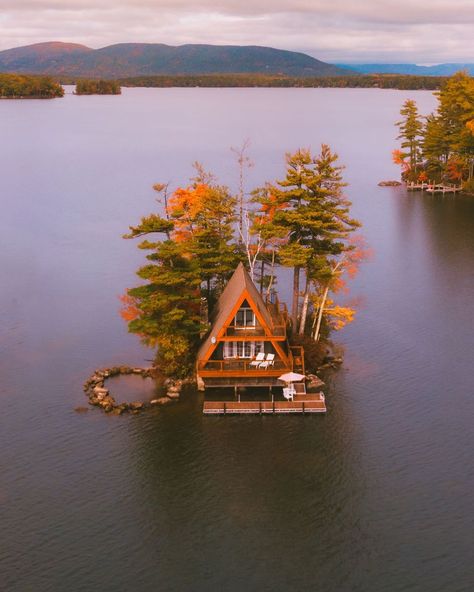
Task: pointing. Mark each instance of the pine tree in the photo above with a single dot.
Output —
(411, 128)
(194, 256)
(312, 214)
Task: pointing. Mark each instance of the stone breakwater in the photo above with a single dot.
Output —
(100, 396)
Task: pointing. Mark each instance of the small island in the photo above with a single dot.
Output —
(437, 151)
(207, 301)
(98, 87)
(20, 86)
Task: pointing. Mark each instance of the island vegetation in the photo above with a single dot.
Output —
(20, 86)
(203, 231)
(98, 87)
(393, 81)
(439, 148)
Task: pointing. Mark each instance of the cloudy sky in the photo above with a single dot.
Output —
(421, 31)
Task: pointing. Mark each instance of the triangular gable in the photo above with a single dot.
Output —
(240, 287)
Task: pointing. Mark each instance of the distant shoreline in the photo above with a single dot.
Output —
(381, 81)
(266, 81)
(27, 97)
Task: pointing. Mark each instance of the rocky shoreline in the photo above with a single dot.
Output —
(100, 396)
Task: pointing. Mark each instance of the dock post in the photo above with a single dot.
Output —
(225, 408)
(303, 408)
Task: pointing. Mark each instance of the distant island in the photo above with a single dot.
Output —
(98, 87)
(437, 151)
(15, 86)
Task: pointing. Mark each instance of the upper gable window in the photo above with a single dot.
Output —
(244, 318)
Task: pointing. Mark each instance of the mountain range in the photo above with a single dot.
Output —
(412, 69)
(151, 59)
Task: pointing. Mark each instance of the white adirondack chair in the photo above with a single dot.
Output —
(270, 360)
(258, 360)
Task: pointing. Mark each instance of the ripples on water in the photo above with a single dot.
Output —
(376, 495)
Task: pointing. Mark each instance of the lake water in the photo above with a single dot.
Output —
(375, 496)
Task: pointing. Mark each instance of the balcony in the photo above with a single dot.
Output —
(239, 367)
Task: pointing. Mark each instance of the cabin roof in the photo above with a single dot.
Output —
(238, 283)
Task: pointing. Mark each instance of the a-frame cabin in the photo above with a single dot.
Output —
(247, 343)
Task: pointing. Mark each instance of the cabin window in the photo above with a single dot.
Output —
(245, 317)
(242, 349)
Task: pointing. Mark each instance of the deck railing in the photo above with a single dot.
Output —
(240, 365)
(297, 358)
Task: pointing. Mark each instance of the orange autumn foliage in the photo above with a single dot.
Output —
(184, 207)
(454, 169)
(268, 210)
(338, 316)
(398, 157)
(128, 311)
(422, 177)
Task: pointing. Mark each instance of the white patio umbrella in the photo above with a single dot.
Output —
(291, 377)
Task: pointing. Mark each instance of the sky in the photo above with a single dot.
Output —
(340, 31)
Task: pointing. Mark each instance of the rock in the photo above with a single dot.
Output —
(324, 366)
(161, 401)
(389, 184)
(314, 381)
(100, 396)
(100, 389)
(81, 409)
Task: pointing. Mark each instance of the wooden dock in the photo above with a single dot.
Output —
(304, 403)
(443, 189)
(433, 188)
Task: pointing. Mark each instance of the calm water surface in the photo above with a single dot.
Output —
(375, 496)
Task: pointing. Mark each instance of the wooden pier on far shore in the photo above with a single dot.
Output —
(433, 188)
(304, 403)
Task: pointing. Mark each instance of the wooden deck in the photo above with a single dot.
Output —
(433, 187)
(304, 403)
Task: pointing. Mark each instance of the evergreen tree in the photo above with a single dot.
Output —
(411, 128)
(196, 255)
(435, 147)
(312, 214)
(164, 311)
(447, 138)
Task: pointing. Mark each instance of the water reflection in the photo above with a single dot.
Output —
(246, 487)
(374, 496)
